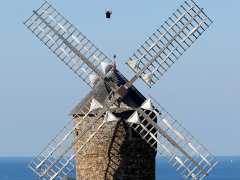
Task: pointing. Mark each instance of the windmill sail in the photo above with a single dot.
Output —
(57, 159)
(169, 42)
(67, 42)
(170, 139)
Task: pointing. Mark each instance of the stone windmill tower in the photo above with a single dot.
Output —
(115, 131)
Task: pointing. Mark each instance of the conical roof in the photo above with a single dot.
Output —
(100, 92)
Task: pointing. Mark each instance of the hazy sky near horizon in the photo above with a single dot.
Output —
(202, 90)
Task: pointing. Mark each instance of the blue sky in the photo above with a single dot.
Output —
(37, 91)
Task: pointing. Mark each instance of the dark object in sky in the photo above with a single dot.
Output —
(108, 14)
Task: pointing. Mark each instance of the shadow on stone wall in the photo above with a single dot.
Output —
(129, 157)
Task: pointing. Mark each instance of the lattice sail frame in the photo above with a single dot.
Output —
(169, 42)
(57, 159)
(162, 132)
(67, 43)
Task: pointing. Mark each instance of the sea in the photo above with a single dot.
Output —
(228, 168)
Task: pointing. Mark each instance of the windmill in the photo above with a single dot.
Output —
(114, 101)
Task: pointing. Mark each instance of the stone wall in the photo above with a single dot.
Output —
(114, 154)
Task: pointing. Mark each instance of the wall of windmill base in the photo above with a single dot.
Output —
(113, 154)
